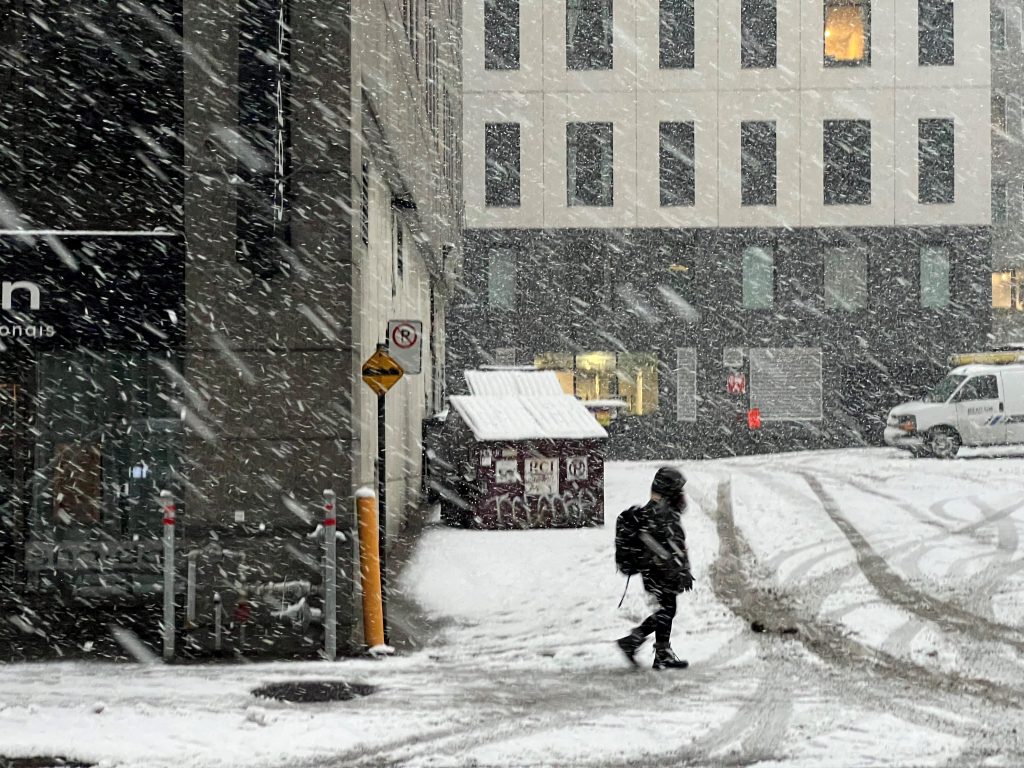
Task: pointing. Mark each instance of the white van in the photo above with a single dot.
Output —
(973, 405)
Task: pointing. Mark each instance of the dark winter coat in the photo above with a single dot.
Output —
(665, 563)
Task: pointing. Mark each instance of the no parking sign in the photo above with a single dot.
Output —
(405, 343)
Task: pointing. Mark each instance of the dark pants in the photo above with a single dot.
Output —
(660, 622)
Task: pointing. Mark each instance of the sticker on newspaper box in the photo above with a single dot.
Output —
(506, 472)
(576, 468)
(541, 477)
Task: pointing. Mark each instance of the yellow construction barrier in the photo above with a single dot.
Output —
(369, 568)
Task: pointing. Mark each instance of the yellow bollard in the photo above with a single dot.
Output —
(369, 567)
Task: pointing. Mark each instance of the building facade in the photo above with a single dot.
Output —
(276, 180)
(664, 196)
(1007, 32)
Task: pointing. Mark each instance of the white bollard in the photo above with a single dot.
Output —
(330, 575)
(169, 516)
(190, 602)
(217, 622)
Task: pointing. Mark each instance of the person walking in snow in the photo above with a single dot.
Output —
(650, 540)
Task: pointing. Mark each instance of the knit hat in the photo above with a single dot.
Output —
(668, 482)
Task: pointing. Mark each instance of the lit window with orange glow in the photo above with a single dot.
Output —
(847, 33)
(1008, 290)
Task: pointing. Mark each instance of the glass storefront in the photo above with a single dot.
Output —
(107, 440)
(90, 427)
(87, 441)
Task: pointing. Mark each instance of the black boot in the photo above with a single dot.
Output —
(630, 644)
(664, 658)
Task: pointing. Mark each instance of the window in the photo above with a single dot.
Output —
(979, 388)
(758, 277)
(686, 384)
(637, 380)
(758, 163)
(847, 33)
(758, 34)
(934, 276)
(936, 182)
(935, 33)
(430, 93)
(364, 202)
(629, 376)
(589, 173)
(785, 383)
(846, 279)
(1008, 290)
(77, 483)
(999, 111)
(397, 247)
(632, 377)
(847, 151)
(999, 207)
(400, 247)
(676, 166)
(997, 29)
(588, 34)
(501, 158)
(676, 34)
(562, 364)
(501, 279)
(501, 34)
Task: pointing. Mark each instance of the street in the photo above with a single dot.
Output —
(890, 592)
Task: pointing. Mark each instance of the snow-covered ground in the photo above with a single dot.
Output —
(901, 580)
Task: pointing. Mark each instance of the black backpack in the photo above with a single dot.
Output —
(629, 550)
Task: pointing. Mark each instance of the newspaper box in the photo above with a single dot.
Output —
(525, 461)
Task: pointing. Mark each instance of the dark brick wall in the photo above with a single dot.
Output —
(581, 290)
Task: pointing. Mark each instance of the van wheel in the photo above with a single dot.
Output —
(943, 442)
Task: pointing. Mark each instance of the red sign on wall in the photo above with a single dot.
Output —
(736, 384)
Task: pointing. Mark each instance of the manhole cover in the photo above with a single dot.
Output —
(313, 691)
(41, 762)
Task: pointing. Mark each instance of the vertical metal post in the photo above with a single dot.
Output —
(169, 516)
(190, 600)
(382, 491)
(218, 626)
(369, 569)
(330, 575)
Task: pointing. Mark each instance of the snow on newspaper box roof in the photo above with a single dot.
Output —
(500, 383)
(517, 417)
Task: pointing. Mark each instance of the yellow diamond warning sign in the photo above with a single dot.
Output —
(381, 372)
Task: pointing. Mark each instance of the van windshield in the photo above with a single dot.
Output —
(944, 389)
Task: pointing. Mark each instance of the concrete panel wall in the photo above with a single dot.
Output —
(718, 93)
(274, 341)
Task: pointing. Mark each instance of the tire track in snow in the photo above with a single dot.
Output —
(982, 587)
(757, 729)
(986, 662)
(979, 589)
(736, 587)
(814, 593)
(896, 590)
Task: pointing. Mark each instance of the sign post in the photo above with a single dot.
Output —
(381, 372)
